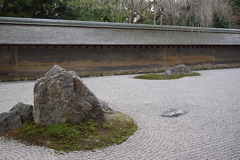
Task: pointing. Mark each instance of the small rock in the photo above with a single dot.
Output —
(167, 73)
(24, 111)
(108, 112)
(105, 107)
(178, 70)
(16, 117)
(174, 113)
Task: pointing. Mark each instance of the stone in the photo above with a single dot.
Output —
(60, 96)
(174, 113)
(54, 70)
(108, 112)
(16, 117)
(178, 70)
(25, 111)
(167, 73)
(105, 107)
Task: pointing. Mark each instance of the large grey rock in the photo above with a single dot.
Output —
(16, 117)
(178, 70)
(60, 96)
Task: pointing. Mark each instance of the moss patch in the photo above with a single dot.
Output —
(88, 135)
(161, 76)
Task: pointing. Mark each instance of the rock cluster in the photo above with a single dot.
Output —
(16, 117)
(60, 96)
(178, 70)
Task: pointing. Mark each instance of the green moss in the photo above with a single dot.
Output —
(67, 137)
(161, 76)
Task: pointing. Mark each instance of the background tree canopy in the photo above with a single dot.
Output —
(198, 13)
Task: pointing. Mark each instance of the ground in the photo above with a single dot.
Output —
(211, 129)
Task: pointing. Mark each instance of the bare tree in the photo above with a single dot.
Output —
(199, 13)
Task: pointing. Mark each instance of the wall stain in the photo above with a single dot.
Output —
(35, 60)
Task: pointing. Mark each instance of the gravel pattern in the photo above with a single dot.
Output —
(211, 129)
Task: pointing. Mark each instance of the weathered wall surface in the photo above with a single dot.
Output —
(33, 61)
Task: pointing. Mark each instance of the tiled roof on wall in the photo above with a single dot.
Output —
(27, 31)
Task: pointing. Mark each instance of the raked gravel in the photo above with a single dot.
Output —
(210, 129)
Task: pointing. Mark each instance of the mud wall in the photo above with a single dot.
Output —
(32, 61)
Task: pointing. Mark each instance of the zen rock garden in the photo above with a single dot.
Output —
(67, 116)
(60, 97)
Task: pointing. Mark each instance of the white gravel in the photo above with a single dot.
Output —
(211, 129)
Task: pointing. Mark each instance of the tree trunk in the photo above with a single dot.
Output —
(155, 14)
(161, 17)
